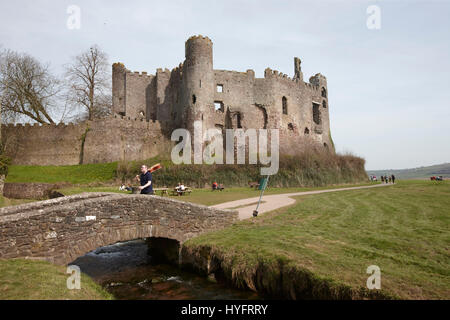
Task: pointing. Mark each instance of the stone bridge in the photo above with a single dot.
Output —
(62, 229)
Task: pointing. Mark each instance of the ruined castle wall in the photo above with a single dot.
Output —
(238, 99)
(107, 140)
(177, 109)
(321, 83)
(137, 93)
(258, 103)
(165, 95)
(43, 145)
(118, 88)
(116, 139)
(298, 130)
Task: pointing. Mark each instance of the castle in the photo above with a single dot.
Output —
(147, 108)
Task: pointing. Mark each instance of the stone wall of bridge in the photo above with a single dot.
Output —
(60, 230)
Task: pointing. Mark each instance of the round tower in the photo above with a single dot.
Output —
(198, 81)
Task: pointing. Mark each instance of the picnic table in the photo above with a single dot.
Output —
(187, 190)
(163, 191)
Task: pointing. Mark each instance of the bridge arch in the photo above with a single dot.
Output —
(63, 229)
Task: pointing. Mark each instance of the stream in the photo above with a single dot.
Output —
(126, 271)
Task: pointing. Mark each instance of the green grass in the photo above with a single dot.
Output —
(207, 196)
(6, 202)
(403, 229)
(38, 280)
(76, 174)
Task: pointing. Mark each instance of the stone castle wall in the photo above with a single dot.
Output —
(108, 140)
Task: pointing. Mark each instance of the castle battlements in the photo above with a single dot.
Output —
(279, 76)
(150, 123)
(142, 74)
(38, 125)
(269, 73)
(199, 37)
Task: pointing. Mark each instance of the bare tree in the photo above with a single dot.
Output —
(89, 83)
(27, 88)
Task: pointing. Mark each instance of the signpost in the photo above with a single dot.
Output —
(263, 187)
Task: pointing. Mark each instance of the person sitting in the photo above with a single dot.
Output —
(124, 187)
(214, 186)
(180, 188)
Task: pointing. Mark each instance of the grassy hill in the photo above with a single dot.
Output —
(324, 243)
(416, 173)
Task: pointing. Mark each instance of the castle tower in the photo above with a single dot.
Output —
(320, 81)
(198, 81)
(118, 88)
(298, 74)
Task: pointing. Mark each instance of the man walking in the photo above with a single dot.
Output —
(393, 179)
(145, 180)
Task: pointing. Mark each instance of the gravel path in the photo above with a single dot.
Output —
(275, 201)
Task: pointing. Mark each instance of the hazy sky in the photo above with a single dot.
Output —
(389, 89)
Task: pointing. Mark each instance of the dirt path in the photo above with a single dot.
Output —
(245, 207)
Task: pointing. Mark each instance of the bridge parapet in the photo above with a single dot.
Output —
(60, 230)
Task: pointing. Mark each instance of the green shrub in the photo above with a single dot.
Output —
(125, 170)
(310, 169)
(5, 162)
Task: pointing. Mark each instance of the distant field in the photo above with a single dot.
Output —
(416, 173)
(403, 229)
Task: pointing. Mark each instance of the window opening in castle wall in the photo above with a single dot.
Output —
(316, 113)
(218, 106)
(284, 103)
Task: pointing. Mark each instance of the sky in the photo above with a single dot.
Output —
(388, 88)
